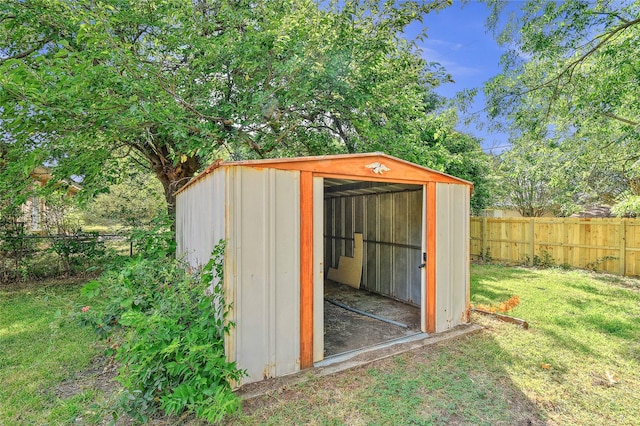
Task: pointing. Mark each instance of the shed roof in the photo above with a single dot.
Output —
(374, 166)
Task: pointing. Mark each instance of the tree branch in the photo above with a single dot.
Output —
(7, 17)
(190, 107)
(39, 45)
(612, 14)
(569, 69)
(621, 119)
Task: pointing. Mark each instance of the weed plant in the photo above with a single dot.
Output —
(172, 354)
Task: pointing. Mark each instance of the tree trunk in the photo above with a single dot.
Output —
(173, 177)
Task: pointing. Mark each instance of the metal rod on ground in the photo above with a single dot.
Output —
(366, 314)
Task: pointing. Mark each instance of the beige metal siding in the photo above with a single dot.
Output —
(264, 270)
(200, 218)
(452, 255)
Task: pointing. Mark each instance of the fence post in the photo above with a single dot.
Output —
(483, 247)
(623, 246)
(531, 240)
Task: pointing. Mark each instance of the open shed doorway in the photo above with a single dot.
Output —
(373, 251)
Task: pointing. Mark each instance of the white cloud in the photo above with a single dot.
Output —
(443, 43)
(454, 68)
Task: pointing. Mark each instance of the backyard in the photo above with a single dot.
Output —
(577, 363)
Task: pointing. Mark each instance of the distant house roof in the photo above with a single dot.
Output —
(43, 175)
(595, 211)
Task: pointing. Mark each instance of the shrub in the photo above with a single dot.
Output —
(156, 241)
(543, 260)
(172, 356)
(78, 249)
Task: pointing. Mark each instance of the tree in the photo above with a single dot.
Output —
(569, 79)
(445, 149)
(576, 58)
(135, 202)
(174, 84)
(533, 181)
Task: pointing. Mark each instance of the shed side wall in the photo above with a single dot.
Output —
(452, 255)
(264, 238)
(200, 219)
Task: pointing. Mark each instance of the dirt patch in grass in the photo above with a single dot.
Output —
(25, 286)
(101, 376)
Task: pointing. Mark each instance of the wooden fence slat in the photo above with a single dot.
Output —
(483, 246)
(623, 244)
(532, 241)
(608, 245)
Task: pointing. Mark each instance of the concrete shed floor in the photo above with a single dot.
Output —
(346, 331)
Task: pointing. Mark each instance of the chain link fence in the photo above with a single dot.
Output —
(33, 257)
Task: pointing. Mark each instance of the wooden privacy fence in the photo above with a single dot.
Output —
(609, 245)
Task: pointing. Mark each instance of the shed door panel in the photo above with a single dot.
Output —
(452, 255)
(265, 242)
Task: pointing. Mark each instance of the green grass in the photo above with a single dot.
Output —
(39, 351)
(584, 330)
(584, 326)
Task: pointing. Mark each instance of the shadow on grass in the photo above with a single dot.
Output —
(486, 282)
(459, 381)
(615, 327)
(629, 283)
(602, 309)
(564, 340)
(463, 381)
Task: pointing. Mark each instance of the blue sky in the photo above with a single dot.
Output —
(458, 40)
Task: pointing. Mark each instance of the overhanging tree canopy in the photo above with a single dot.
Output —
(570, 79)
(172, 83)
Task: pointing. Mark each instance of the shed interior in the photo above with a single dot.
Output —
(390, 218)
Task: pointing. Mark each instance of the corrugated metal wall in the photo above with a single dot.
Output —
(200, 218)
(258, 212)
(452, 255)
(264, 265)
(391, 224)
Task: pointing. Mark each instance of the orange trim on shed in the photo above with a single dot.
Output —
(306, 270)
(347, 166)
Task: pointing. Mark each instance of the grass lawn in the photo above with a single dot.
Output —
(579, 363)
(40, 355)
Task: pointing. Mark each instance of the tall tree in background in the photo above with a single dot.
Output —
(534, 181)
(135, 203)
(443, 148)
(174, 84)
(570, 78)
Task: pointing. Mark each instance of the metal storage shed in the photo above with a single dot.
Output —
(287, 221)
